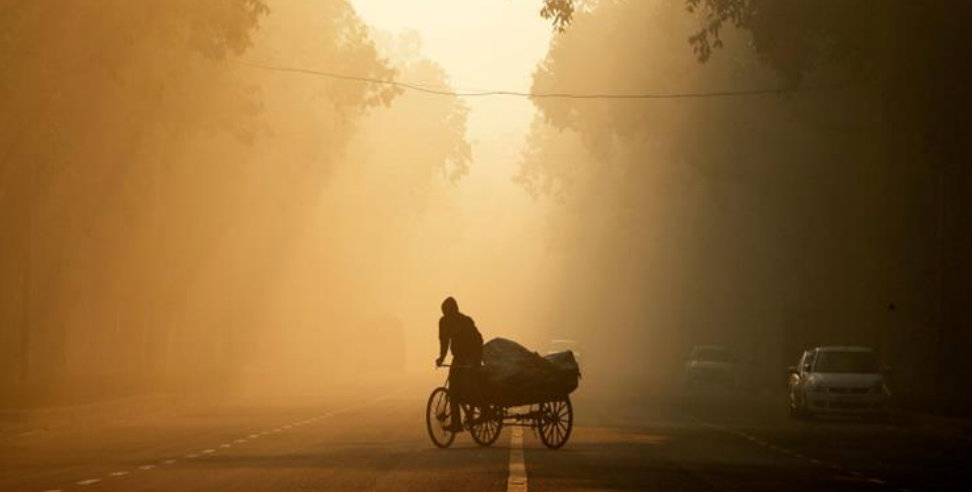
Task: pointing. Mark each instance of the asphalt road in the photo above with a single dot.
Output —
(377, 442)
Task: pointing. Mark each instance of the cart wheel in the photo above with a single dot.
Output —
(485, 423)
(555, 422)
(438, 417)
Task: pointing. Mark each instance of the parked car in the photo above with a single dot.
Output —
(710, 367)
(838, 380)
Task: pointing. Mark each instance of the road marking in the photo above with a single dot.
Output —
(851, 473)
(118, 473)
(146, 467)
(89, 481)
(191, 456)
(168, 462)
(225, 445)
(253, 436)
(208, 451)
(517, 482)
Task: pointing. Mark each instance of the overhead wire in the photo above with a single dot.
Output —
(536, 95)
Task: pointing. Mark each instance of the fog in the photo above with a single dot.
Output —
(209, 195)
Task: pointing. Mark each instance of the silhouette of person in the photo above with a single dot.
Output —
(458, 332)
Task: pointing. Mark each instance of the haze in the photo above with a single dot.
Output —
(192, 203)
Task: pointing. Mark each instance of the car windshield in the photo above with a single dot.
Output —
(710, 354)
(847, 362)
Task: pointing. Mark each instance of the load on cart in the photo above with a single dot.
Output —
(513, 387)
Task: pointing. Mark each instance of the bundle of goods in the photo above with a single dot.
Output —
(513, 375)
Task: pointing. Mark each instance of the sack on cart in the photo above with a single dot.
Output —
(513, 375)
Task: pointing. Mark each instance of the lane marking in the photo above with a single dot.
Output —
(92, 481)
(517, 481)
(851, 473)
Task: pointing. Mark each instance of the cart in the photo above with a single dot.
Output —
(552, 418)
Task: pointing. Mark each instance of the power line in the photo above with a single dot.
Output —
(537, 95)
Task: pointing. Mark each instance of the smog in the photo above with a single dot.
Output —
(258, 207)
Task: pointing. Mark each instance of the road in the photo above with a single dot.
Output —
(377, 442)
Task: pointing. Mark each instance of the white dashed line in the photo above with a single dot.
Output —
(240, 441)
(778, 449)
(517, 481)
(191, 456)
(225, 445)
(146, 467)
(168, 462)
(208, 451)
(118, 474)
(89, 481)
(253, 436)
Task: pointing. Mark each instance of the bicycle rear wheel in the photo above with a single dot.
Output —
(555, 422)
(485, 423)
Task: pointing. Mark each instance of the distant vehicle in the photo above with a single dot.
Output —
(561, 345)
(838, 380)
(710, 366)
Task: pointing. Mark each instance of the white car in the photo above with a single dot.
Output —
(838, 381)
(710, 367)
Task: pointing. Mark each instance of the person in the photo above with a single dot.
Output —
(458, 332)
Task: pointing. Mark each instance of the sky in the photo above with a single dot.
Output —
(484, 44)
(481, 44)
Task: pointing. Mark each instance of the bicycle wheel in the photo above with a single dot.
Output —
(438, 416)
(555, 422)
(485, 423)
